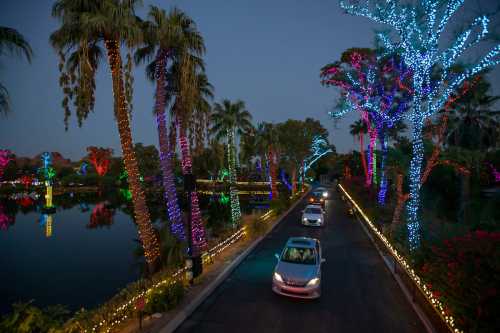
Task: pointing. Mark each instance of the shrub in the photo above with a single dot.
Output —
(465, 272)
(164, 299)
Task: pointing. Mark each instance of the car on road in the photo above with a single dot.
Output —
(313, 215)
(316, 198)
(298, 271)
(323, 191)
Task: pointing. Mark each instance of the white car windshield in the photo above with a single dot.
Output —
(315, 211)
(299, 255)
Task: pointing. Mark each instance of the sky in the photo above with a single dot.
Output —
(267, 53)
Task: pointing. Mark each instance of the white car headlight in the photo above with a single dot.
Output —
(278, 277)
(312, 282)
(325, 194)
(304, 219)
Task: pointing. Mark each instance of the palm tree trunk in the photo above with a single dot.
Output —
(198, 230)
(273, 173)
(174, 213)
(146, 231)
(371, 164)
(233, 191)
(294, 180)
(363, 158)
(401, 199)
(383, 177)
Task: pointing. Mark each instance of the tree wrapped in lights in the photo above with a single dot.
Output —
(5, 158)
(319, 148)
(167, 36)
(268, 146)
(109, 24)
(419, 29)
(231, 119)
(197, 229)
(82, 170)
(100, 159)
(376, 87)
(437, 132)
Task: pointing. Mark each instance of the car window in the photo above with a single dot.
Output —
(316, 211)
(299, 255)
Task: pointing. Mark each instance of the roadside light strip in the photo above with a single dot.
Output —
(118, 317)
(239, 183)
(434, 302)
(239, 192)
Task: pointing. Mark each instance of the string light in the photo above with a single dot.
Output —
(495, 172)
(145, 228)
(273, 165)
(166, 154)
(82, 170)
(233, 190)
(100, 158)
(418, 282)
(197, 229)
(119, 314)
(417, 42)
(319, 148)
(284, 180)
(374, 86)
(5, 158)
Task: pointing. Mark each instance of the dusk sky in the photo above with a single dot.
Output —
(267, 53)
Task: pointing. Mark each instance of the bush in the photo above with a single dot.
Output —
(465, 272)
(256, 227)
(165, 298)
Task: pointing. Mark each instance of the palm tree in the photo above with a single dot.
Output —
(166, 37)
(11, 42)
(231, 119)
(268, 145)
(359, 129)
(85, 26)
(475, 125)
(192, 91)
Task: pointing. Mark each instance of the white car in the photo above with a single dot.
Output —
(313, 215)
(298, 271)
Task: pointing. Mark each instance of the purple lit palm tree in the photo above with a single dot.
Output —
(169, 35)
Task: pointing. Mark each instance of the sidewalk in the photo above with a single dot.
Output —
(213, 275)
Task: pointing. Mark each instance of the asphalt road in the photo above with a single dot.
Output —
(358, 292)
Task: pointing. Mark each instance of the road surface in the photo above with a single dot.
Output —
(358, 292)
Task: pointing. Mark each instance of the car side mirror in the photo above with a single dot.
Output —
(277, 256)
(323, 260)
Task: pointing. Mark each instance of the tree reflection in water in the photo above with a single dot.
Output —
(5, 220)
(101, 216)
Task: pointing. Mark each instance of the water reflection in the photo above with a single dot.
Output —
(84, 251)
(46, 221)
(5, 220)
(101, 216)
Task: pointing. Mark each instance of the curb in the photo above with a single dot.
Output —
(390, 267)
(183, 314)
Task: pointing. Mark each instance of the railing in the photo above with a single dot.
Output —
(435, 303)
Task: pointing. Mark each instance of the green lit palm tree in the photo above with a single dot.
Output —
(86, 26)
(167, 36)
(231, 119)
(11, 43)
